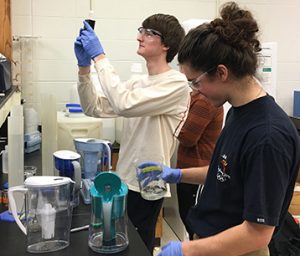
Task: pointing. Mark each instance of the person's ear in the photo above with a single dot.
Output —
(222, 72)
(166, 48)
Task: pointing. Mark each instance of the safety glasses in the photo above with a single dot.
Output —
(194, 83)
(149, 32)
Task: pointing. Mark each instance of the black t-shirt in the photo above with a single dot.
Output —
(252, 172)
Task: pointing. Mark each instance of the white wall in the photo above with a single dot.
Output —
(49, 63)
(278, 22)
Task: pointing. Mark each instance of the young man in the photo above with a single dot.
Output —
(154, 105)
(249, 183)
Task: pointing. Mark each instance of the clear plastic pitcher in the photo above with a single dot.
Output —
(108, 227)
(48, 212)
(67, 164)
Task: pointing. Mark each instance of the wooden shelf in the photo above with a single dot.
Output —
(5, 31)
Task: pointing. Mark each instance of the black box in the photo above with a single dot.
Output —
(5, 75)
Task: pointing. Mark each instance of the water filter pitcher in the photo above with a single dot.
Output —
(48, 212)
(108, 226)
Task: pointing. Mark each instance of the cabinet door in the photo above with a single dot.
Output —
(5, 31)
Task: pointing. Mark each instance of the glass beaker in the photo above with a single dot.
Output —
(149, 170)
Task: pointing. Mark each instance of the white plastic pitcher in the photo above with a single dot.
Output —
(67, 164)
(48, 212)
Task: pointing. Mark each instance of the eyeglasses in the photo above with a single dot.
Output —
(193, 83)
(149, 32)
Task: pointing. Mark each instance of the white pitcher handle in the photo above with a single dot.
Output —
(77, 174)
(13, 206)
(106, 143)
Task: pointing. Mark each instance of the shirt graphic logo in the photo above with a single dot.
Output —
(222, 174)
(260, 220)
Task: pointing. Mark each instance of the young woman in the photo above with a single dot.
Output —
(249, 182)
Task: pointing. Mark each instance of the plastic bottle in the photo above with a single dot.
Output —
(15, 134)
(4, 154)
(49, 132)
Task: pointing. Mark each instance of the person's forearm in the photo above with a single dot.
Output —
(83, 70)
(196, 175)
(99, 57)
(235, 241)
(86, 70)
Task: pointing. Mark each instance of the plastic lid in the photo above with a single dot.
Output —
(75, 110)
(66, 155)
(46, 181)
(70, 105)
(107, 184)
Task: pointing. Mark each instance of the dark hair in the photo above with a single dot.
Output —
(230, 40)
(171, 30)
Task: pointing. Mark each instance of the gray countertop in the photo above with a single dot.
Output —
(12, 240)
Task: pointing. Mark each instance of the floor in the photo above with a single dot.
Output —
(173, 228)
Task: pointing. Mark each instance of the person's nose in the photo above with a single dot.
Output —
(140, 37)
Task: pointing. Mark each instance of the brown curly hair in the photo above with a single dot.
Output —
(230, 40)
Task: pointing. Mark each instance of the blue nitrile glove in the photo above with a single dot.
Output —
(90, 41)
(171, 175)
(5, 185)
(149, 172)
(172, 248)
(83, 59)
(7, 216)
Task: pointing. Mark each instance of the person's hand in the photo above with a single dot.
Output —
(171, 175)
(90, 41)
(83, 59)
(149, 171)
(172, 248)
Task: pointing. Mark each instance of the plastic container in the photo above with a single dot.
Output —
(152, 186)
(15, 130)
(29, 171)
(49, 132)
(74, 112)
(32, 141)
(30, 120)
(48, 212)
(69, 128)
(4, 154)
(108, 226)
(16, 146)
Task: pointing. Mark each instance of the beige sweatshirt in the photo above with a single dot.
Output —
(154, 107)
